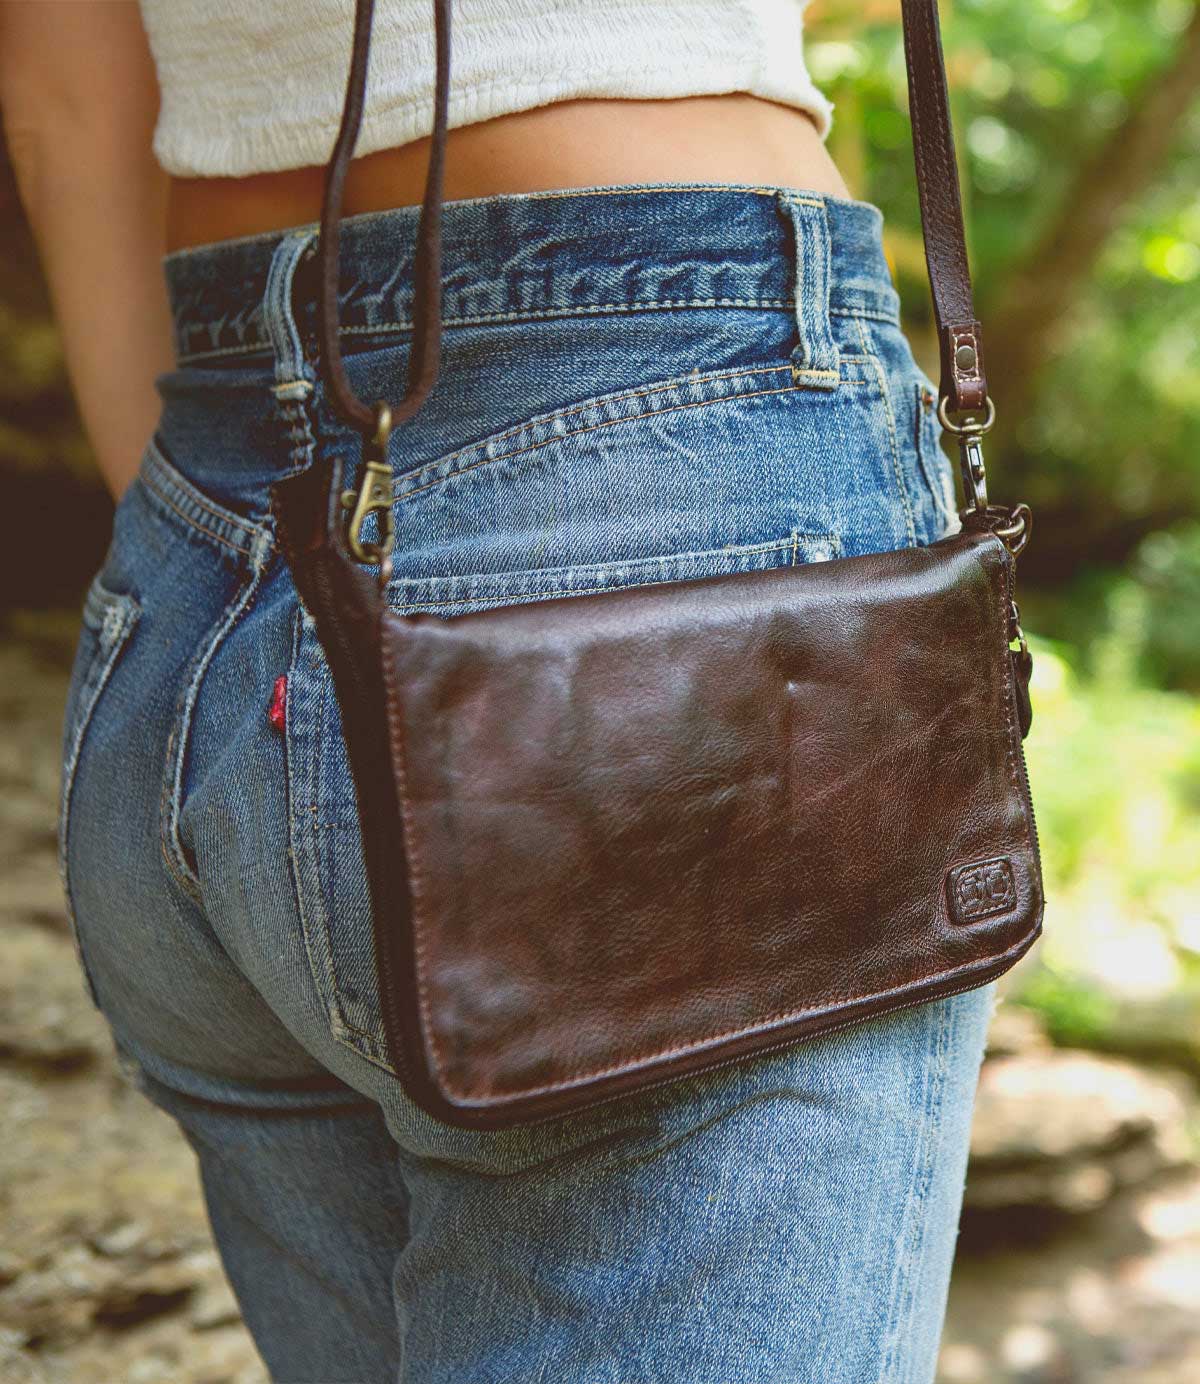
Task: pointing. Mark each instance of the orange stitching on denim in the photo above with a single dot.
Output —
(518, 315)
(596, 402)
(401, 494)
(251, 348)
(159, 462)
(513, 597)
(873, 313)
(595, 427)
(193, 522)
(171, 804)
(890, 416)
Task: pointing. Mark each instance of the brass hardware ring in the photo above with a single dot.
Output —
(974, 428)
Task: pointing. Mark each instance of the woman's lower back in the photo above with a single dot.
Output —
(732, 138)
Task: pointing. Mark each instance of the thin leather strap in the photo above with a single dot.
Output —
(427, 263)
(963, 385)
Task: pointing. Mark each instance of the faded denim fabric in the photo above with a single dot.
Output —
(639, 385)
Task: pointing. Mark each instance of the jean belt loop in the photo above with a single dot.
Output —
(815, 360)
(295, 378)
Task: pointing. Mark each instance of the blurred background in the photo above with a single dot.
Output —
(1079, 137)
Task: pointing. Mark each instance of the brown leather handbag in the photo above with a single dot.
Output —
(614, 839)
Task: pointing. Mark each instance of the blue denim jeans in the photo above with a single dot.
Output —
(639, 385)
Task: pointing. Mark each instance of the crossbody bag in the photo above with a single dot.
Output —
(615, 839)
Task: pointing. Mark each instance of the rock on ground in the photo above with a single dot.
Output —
(1065, 1130)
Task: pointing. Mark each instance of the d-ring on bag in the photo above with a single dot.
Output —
(613, 839)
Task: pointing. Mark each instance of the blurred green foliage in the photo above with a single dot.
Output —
(1115, 768)
(1109, 437)
(1159, 609)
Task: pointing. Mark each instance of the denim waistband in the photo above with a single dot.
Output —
(562, 253)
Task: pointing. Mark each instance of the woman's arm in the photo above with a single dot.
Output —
(79, 100)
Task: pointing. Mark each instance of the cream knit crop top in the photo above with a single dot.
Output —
(254, 86)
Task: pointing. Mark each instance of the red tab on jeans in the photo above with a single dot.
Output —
(277, 711)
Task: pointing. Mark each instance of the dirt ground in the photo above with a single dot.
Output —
(1079, 1261)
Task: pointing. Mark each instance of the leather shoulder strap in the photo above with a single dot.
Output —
(963, 386)
(427, 262)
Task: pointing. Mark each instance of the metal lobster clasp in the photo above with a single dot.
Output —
(373, 496)
(970, 434)
(1011, 526)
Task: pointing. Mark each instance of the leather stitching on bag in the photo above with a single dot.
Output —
(1012, 734)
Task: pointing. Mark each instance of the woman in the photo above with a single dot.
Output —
(672, 349)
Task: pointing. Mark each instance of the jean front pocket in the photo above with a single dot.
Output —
(109, 618)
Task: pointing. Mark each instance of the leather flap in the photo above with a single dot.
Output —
(652, 830)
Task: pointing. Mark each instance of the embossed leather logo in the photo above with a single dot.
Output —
(981, 888)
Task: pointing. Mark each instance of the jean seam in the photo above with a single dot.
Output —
(511, 597)
(816, 352)
(293, 403)
(907, 1274)
(890, 415)
(94, 682)
(197, 497)
(300, 814)
(405, 494)
(519, 315)
(874, 314)
(191, 523)
(170, 488)
(593, 427)
(337, 1013)
(476, 319)
(928, 463)
(871, 314)
(179, 740)
(314, 919)
(545, 420)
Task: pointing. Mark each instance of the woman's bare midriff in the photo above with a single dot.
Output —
(732, 138)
